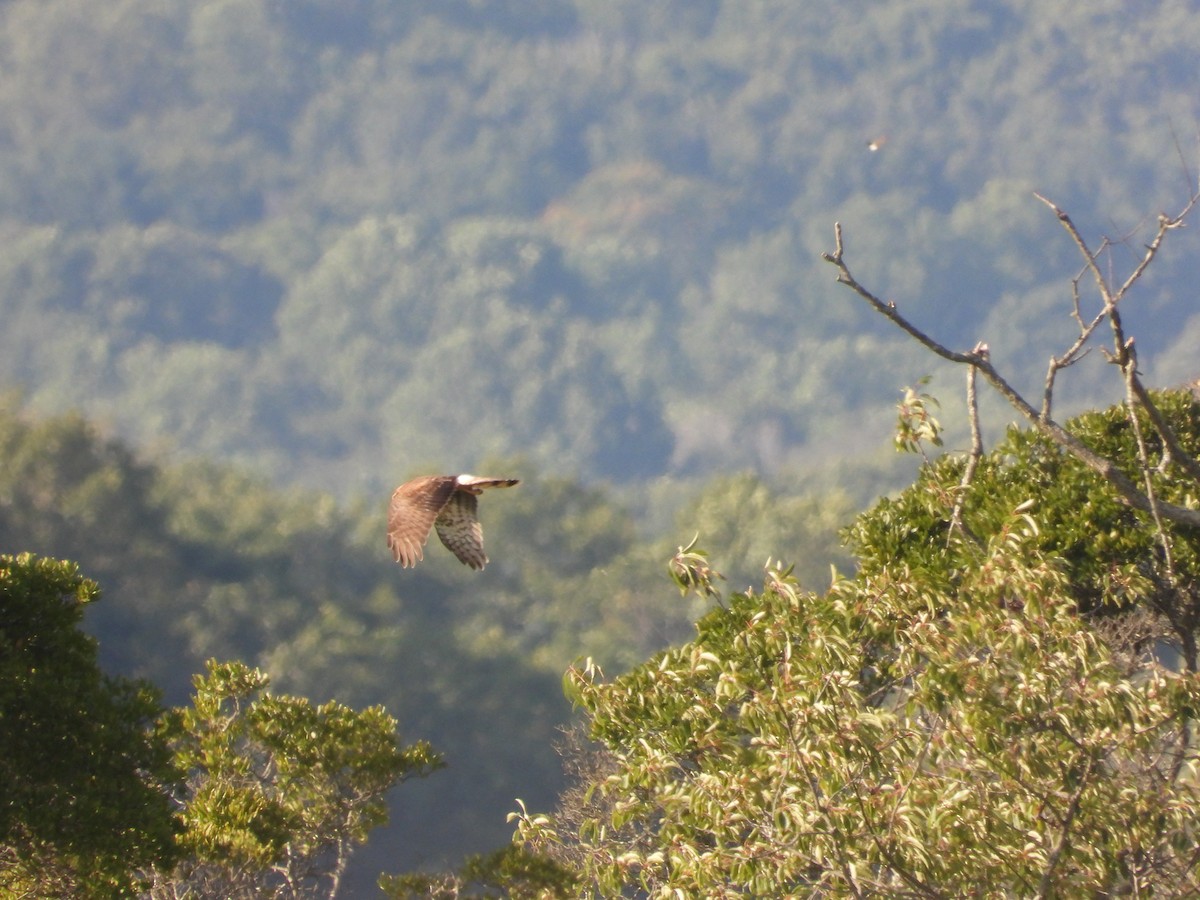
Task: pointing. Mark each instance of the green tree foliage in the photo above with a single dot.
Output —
(949, 721)
(1111, 555)
(279, 792)
(86, 780)
(511, 872)
(239, 793)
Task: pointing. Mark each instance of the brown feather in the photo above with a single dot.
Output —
(414, 508)
(446, 502)
(460, 530)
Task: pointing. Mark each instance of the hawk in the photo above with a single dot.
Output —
(446, 502)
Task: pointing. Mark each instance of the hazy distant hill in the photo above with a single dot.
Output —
(339, 241)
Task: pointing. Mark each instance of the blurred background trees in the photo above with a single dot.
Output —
(334, 243)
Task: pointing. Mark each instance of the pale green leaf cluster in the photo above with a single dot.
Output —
(916, 425)
(883, 739)
(279, 790)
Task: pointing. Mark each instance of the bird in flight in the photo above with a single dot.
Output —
(444, 502)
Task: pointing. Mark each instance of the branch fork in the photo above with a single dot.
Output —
(1138, 496)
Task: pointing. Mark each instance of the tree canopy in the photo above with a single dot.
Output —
(279, 791)
(951, 719)
(203, 561)
(87, 784)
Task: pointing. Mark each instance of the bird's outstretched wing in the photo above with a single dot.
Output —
(459, 529)
(414, 508)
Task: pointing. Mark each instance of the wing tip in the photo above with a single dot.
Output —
(407, 558)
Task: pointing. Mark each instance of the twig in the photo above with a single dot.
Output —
(1072, 354)
(1101, 465)
(1047, 882)
(956, 520)
(1111, 299)
(1174, 451)
(1129, 370)
(1183, 165)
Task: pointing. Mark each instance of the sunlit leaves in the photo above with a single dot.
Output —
(878, 738)
(279, 790)
(1109, 551)
(510, 872)
(746, 519)
(916, 424)
(690, 570)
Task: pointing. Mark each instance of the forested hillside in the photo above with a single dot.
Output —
(344, 241)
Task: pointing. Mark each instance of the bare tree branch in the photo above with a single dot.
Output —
(1072, 354)
(1046, 886)
(1174, 452)
(956, 520)
(1125, 486)
(1129, 369)
(1111, 298)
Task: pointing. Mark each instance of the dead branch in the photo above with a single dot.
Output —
(1174, 452)
(956, 519)
(1129, 370)
(1125, 486)
(1123, 345)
